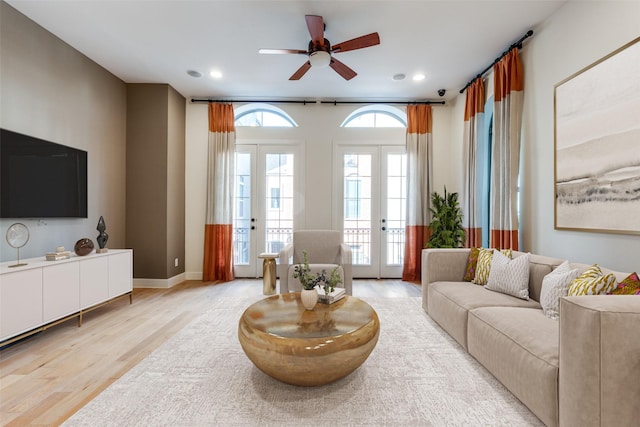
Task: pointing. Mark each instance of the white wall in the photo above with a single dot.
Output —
(319, 128)
(577, 35)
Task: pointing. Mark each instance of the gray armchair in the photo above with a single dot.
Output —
(325, 250)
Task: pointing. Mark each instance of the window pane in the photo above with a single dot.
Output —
(242, 206)
(272, 119)
(275, 198)
(263, 118)
(279, 181)
(396, 208)
(385, 120)
(374, 119)
(362, 121)
(357, 206)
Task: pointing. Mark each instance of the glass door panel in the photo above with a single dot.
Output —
(279, 191)
(264, 203)
(373, 208)
(244, 245)
(393, 209)
(359, 187)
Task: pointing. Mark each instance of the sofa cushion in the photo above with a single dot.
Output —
(539, 266)
(472, 263)
(592, 282)
(483, 267)
(628, 286)
(449, 303)
(509, 276)
(620, 275)
(519, 346)
(554, 286)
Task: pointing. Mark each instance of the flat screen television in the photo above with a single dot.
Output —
(41, 179)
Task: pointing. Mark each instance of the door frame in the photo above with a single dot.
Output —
(381, 147)
(257, 236)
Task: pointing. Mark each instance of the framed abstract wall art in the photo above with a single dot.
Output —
(597, 145)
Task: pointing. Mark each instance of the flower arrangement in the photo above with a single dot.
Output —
(309, 280)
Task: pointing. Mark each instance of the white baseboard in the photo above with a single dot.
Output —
(160, 283)
(194, 275)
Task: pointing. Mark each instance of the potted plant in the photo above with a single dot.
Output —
(309, 281)
(446, 224)
(331, 282)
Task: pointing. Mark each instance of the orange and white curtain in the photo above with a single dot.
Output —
(505, 158)
(218, 232)
(419, 183)
(473, 134)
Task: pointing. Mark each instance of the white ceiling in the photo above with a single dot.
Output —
(450, 41)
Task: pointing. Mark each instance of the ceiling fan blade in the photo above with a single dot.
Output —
(315, 24)
(357, 43)
(301, 71)
(279, 51)
(339, 67)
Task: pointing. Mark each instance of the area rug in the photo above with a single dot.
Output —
(416, 376)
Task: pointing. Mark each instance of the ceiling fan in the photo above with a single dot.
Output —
(321, 52)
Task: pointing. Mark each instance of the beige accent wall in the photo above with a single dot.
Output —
(175, 184)
(51, 91)
(155, 179)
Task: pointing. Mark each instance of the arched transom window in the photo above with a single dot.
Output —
(262, 115)
(376, 116)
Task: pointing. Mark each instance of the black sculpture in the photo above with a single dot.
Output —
(103, 236)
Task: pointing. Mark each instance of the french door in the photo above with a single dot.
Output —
(371, 182)
(264, 203)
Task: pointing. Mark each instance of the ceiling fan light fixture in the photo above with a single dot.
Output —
(320, 58)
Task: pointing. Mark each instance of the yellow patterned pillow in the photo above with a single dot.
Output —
(483, 268)
(592, 282)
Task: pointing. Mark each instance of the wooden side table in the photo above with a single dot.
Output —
(268, 273)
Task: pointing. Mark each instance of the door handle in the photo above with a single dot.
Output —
(253, 220)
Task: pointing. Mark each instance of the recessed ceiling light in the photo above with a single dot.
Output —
(418, 77)
(215, 74)
(398, 76)
(194, 73)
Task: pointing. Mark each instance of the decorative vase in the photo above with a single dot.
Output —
(309, 298)
(83, 247)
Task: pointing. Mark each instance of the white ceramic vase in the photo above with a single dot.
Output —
(309, 298)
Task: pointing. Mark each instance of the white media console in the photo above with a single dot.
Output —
(44, 293)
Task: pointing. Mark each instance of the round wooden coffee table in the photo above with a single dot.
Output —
(308, 347)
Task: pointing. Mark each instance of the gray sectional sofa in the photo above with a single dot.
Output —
(583, 370)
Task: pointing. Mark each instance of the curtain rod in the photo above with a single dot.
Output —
(304, 102)
(517, 44)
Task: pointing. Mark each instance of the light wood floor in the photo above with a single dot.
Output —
(47, 377)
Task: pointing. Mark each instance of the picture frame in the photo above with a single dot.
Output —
(597, 145)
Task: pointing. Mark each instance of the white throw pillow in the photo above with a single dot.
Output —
(554, 286)
(509, 276)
